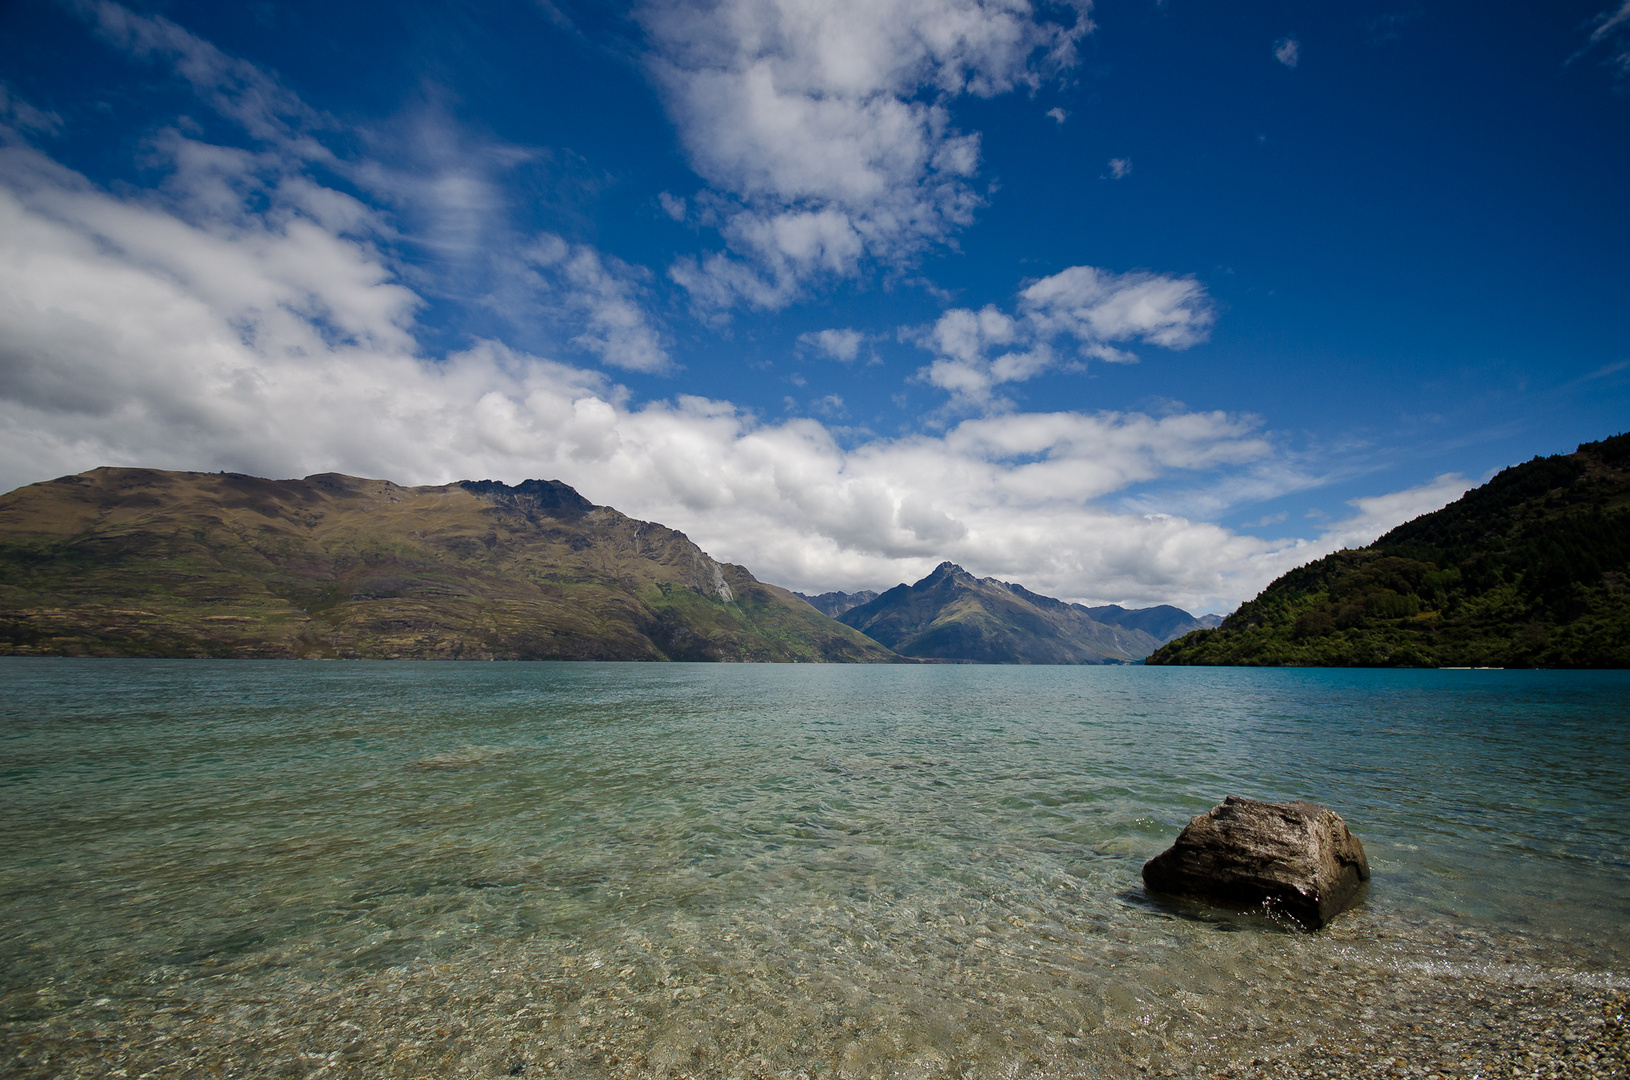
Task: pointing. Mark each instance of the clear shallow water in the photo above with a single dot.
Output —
(839, 870)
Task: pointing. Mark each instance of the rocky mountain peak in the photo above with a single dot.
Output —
(550, 497)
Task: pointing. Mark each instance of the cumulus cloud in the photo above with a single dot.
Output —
(980, 350)
(831, 405)
(1095, 305)
(1058, 114)
(1119, 168)
(129, 335)
(824, 129)
(841, 345)
(672, 205)
(248, 317)
(1288, 51)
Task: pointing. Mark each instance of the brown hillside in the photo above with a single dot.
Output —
(140, 562)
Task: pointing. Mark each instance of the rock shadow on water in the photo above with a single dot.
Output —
(1230, 918)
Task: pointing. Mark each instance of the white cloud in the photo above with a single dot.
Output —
(249, 318)
(672, 205)
(979, 350)
(843, 345)
(604, 292)
(1096, 306)
(1119, 168)
(1378, 514)
(1058, 114)
(445, 189)
(966, 336)
(824, 125)
(1288, 51)
(130, 335)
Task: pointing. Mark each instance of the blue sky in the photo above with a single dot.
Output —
(1131, 301)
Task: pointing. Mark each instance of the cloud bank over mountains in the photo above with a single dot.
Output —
(251, 313)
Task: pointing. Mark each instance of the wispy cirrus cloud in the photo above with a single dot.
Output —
(823, 130)
(1612, 29)
(428, 199)
(235, 88)
(19, 114)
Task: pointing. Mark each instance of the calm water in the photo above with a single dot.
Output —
(841, 870)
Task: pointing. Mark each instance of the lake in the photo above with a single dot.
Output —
(413, 869)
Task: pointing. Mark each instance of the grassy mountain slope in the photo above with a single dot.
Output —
(138, 562)
(952, 615)
(1531, 569)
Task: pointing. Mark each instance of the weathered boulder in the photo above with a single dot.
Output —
(1295, 858)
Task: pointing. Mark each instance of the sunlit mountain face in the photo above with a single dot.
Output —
(1140, 302)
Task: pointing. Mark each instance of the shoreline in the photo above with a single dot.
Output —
(468, 1019)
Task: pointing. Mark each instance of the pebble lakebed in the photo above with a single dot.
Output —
(530, 1017)
(703, 925)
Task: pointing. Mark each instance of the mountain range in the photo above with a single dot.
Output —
(952, 615)
(143, 562)
(1532, 569)
(139, 562)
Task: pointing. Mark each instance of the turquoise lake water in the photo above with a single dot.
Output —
(840, 870)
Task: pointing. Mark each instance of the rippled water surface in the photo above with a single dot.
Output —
(434, 869)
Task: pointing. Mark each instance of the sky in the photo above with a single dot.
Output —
(1134, 301)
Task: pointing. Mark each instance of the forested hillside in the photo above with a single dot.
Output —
(1529, 570)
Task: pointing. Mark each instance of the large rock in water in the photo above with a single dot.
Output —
(1296, 858)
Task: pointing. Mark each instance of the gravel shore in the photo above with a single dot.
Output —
(1518, 1032)
(429, 1023)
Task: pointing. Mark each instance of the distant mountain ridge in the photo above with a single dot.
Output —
(1163, 621)
(833, 604)
(143, 562)
(1532, 569)
(952, 615)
